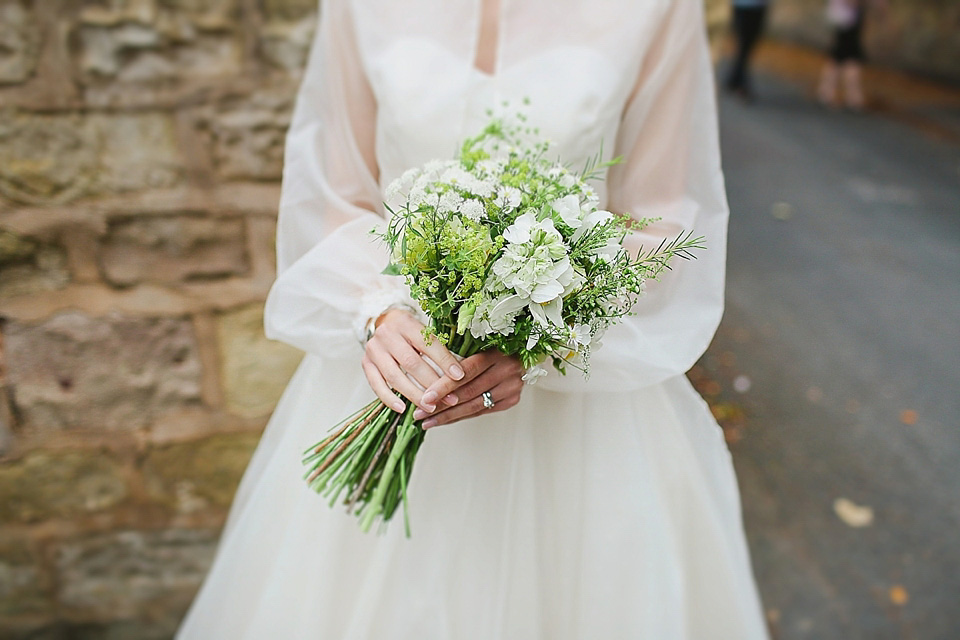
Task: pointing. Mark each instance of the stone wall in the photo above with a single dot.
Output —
(922, 36)
(140, 154)
(141, 147)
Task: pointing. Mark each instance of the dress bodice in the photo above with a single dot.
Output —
(575, 77)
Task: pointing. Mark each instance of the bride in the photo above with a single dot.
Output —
(576, 508)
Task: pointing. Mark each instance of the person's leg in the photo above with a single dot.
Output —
(752, 30)
(735, 78)
(830, 75)
(853, 95)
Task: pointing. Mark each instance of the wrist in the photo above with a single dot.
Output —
(375, 322)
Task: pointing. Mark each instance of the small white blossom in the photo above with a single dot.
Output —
(472, 209)
(450, 201)
(508, 198)
(533, 374)
(579, 336)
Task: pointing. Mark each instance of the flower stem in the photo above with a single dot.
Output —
(405, 433)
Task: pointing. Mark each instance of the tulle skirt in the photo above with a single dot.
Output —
(580, 516)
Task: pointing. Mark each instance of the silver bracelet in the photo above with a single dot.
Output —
(371, 325)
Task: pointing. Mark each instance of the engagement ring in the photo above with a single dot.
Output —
(488, 402)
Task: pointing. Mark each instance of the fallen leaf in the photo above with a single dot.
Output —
(899, 595)
(741, 384)
(781, 210)
(852, 514)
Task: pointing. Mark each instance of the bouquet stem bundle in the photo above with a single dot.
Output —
(370, 455)
(368, 458)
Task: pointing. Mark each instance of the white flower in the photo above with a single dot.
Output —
(450, 201)
(568, 180)
(536, 266)
(472, 209)
(482, 188)
(496, 315)
(590, 221)
(491, 166)
(568, 207)
(533, 374)
(419, 197)
(609, 251)
(519, 231)
(456, 175)
(549, 314)
(433, 168)
(508, 198)
(579, 336)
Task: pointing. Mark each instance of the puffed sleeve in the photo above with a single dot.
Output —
(668, 139)
(328, 262)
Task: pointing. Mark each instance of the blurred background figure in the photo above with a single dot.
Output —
(845, 64)
(748, 20)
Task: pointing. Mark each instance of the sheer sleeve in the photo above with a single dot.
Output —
(328, 262)
(669, 141)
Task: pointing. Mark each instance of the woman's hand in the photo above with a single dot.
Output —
(491, 371)
(397, 349)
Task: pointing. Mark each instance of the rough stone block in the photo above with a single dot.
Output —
(254, 370)
(153, 42)
(289, 10)
(48, 159)
(119, 575)
(173, 248)
(136, 152)
(194, 476)
(248, 136)
(23, 586)
(19, 43)
(45, 485)
(112, 373)
(28, 266)
(286, 44)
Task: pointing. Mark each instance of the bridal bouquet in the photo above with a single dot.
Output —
(503, 249)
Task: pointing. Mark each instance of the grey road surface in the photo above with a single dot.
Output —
(842, 338)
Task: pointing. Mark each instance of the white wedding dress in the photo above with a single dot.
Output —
(598, 508)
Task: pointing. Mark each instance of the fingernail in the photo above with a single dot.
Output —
(456, 372)
(420, 414)
(399, 407)
(451, 399)
(430, 397)
(429, 423)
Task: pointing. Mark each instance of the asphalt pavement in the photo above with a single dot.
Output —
(837, 366)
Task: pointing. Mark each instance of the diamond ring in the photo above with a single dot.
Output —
(488, 402)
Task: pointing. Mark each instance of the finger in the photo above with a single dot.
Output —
(440, 355)
(472, 367)
(472, 392)
(503, 370)
(380, 387)
(504, 397)
(410, 361)
(395, 377)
